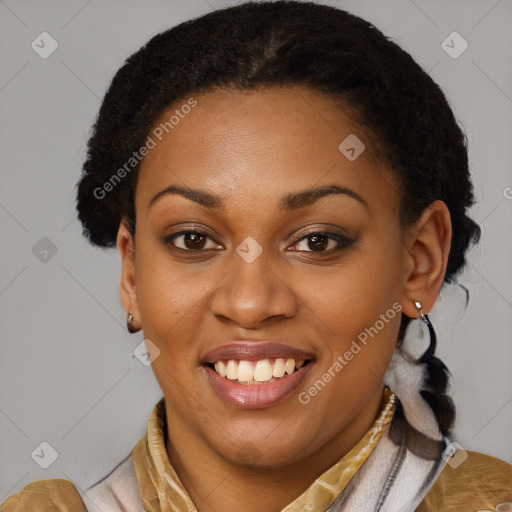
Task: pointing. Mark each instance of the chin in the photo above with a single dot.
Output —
(264, 451)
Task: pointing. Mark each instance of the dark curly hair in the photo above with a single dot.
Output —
(282, 43)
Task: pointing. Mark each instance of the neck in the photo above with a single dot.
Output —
(216, 484)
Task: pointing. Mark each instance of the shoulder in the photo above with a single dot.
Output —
(473, 481)
(45, 496)
(116, 492)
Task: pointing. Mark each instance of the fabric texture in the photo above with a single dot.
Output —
(45, 496)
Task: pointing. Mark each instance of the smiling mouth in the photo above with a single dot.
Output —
(264, 371)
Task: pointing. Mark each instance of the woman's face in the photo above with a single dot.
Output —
(260, 183)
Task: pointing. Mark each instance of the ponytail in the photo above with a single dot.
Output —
(435, 387)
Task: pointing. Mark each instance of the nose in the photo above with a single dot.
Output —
(250, 294)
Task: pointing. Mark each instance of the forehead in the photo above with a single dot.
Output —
(261, 144)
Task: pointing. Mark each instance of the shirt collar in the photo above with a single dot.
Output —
(162, 491)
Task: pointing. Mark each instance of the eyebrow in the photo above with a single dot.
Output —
(288, 202)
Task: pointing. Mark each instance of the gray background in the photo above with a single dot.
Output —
(67, 371)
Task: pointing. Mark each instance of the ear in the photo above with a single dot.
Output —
(427, 243)
(126, 248)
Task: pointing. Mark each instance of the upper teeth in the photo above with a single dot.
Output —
(259, 371)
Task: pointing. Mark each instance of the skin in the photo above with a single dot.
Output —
(250, 149)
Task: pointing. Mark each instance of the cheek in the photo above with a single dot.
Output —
(358, 321)
(352, 295)
(357, 311)
(168, 299)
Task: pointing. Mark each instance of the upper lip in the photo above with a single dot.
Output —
(255, 351)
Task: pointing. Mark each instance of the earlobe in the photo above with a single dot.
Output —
(428, 246)
(127, 290)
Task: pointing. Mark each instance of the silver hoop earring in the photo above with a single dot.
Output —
(129, 322)
(417, 305)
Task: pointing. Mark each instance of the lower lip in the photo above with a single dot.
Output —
(256, 396)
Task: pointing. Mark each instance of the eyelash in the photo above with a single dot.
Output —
(343, 241)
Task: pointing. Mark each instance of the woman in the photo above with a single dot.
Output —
(287, 190)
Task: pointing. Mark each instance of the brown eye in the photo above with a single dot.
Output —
(322, 242)
(190, 241)
(317, 243)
